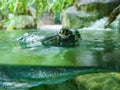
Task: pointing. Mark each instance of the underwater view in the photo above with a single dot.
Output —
(60, 45)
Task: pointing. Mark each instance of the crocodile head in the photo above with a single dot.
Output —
(64, 38)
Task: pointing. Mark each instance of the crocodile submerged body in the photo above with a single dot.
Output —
(22, 77)
(64, 38)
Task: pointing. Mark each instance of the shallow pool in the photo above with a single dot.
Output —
(97, 47)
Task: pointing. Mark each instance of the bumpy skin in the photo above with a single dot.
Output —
(113, 16)
(64, 38)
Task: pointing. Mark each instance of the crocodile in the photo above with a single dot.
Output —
(63, 38)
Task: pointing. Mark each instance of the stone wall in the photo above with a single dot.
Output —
(85, 12)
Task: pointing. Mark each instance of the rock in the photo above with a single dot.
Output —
(85, 12)
(72, 18)
(101, 81)
(46, 19)
(19, 22)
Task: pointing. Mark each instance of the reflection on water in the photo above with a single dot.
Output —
(96, 48)
(109, 56)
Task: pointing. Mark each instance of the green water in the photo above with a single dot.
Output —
(96, 48)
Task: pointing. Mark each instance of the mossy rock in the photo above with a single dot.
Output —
(101, 81)
(19, 22)
(85, 12)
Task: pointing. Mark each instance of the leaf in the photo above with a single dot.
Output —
(4, 21)
(15, 7)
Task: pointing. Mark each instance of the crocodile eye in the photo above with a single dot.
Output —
(64, 32)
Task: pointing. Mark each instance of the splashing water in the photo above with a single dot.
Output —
(98, 25)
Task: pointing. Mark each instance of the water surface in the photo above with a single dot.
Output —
(98, 47)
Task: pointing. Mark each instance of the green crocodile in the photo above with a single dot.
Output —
(64, 38)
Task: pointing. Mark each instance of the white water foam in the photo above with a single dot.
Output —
(98, 25)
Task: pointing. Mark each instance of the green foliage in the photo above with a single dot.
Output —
(21, 7)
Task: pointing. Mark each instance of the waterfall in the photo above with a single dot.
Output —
(98, 25)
